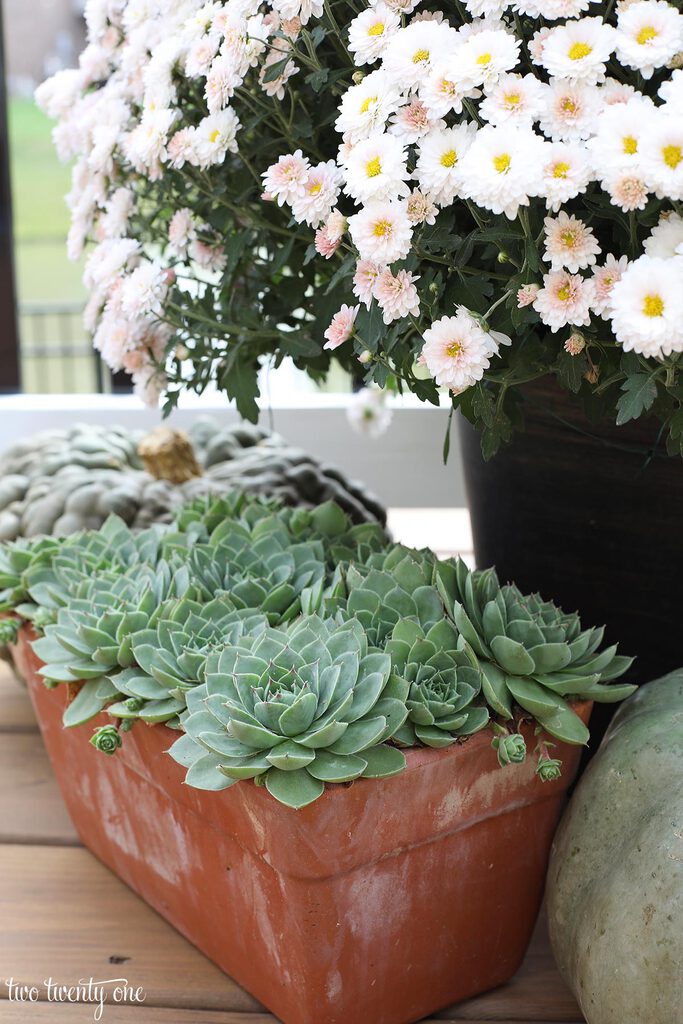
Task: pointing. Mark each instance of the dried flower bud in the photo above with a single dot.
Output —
(575, 344)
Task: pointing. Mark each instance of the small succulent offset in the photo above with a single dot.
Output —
(106, 739)
(443, 681)
(530, 651)
(509, 746)
(294, 708)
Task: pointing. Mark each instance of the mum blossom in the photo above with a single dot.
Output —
(370, 32)
(567, 172)
(486, 55)
(617, 143)
(564, 299)
(439, 162)
(412, 122)
(526, 295)
(144, 290)
(397, 295)
(502, 168)
(666, 239)
(325, 245)
(414, 50)
(649, 34)
(443, 90)
(181, 231)
(319, 196)
(341, 326)
(367, 412)
(381, 231)
(569, 243)
(365, 279)
(365, 107)
(215, 136)
(516, 99)
(457, 351)
(420, 208)
(627, 191)
(604, 280)
(570, 111)
(579, 50)
(376, 168)
(662, 156)
(647, 307)
(286, 178)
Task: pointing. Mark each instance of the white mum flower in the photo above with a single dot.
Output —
(108, 260)
(571, 110)
(486, 8)
(514, 99)
(666, 239)
(381, 231)
(486, 55)
(672, 93)
(662, 156)
(145, 146)
(215, 136)
(364, 108)
(552, 10)
(626, 189)
(367, 412)
(579, 50)
(412, 122)
(370, 32)
(457, 351)
(649, 34)
(617, 141)
(276, 86)
(320, 194)
(569, 243)
(503, 168)
(376, 169)
(647, 307)
(413, 51)
(439, 161)
(564, 299)
(304, 10)
(144, 291)
(444, 89)
(567, 172)
(223, 78)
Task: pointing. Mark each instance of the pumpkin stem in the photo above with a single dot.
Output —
(168, 455)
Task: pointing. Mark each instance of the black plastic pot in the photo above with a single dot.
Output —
(589, 517)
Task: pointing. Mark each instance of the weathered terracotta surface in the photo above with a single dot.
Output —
(378, 904)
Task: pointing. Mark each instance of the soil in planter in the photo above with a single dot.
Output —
(590, 516)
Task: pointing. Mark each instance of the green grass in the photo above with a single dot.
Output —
(41, 218)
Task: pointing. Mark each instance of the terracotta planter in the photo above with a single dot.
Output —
(378, 904)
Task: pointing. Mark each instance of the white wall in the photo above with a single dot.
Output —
(404, 467)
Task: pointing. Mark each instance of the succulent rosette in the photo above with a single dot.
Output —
(444, 684)
(531, 652)
(294, 709)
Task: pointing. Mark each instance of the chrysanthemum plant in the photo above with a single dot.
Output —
(463, 199)
(295, 649)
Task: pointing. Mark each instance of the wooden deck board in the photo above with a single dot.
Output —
(64, 915)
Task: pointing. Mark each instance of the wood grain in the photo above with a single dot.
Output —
(16, 712)
(44, 1013)
(69, 915)
(32, 806)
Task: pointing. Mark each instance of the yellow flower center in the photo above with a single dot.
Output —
(449, 159)
(420, 55)
(560, 170)
(563, 293)
(653, 305)
(483, 59)
(382, 228)
(513, 99)
(672, 156)
(568, 239)
(502, 162)
(373, 167)
(367, 103)
(314, 189)
(568, 105)
(630, 145)
(646, 33)
(577, 51)
(377, 29)
(215, 134)
(455, 349)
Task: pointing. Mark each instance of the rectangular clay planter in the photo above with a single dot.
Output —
(380, 903)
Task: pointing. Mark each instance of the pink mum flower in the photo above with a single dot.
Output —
(569, 243)
(575, 344)
(341, 327)
(286, 179)
(324, 245)
(397, 295)
(564, 299)
(604, 280)
(526, 296)
(365, 279)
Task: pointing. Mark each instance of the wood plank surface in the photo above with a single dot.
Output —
(16, 712)
(32, 809)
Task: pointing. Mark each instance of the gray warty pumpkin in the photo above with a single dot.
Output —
(61, 481)
(615, 883)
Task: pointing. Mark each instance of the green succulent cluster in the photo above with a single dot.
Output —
(296, 649)
(531, 652)
(293, 709)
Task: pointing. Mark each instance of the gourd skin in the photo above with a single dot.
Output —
(61, 481)
(615, 882)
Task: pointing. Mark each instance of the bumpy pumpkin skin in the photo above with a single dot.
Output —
(615, 883)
